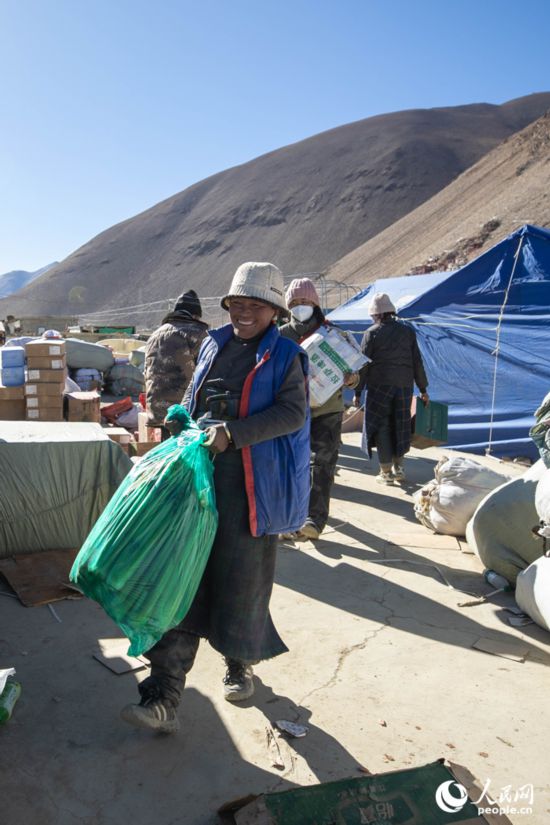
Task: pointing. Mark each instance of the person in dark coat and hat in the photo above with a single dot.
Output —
(171, 356)
(395, 365)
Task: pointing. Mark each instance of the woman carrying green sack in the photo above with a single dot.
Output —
(250, 390)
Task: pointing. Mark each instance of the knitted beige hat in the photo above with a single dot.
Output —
(380, 304)
(258, 280)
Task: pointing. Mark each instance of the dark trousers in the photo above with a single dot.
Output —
(231, 606)
(326, 434)
(171, 660)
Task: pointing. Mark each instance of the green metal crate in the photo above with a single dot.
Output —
(429, 424)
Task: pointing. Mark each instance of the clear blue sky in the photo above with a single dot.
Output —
(110, 106)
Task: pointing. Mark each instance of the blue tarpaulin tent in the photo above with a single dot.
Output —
(484, 332)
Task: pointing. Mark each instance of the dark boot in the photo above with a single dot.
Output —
(153, 712)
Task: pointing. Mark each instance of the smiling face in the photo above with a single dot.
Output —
(250, 316)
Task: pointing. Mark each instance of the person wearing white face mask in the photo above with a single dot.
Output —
(302, 312)
(326, 421)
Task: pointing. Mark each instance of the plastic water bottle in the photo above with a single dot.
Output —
(496, 580)
(8, 698)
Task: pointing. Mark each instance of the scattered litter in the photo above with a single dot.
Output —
(388, 758)
(277, 760)
(483, 754)
(511, 649)
(520, 621)
(364, 770)
(54, 614)
(450, 745)
(473, 602)
(410, 561)
(505, 741)
(515, 609)
(482, 599)
(294, 730)
(8, 671)
(112, 653)
(383, 723)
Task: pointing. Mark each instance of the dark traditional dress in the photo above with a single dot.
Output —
(231, 607)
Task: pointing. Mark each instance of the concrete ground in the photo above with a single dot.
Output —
(381, 669)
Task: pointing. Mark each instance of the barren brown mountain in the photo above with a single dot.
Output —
(507, 188)
(303, 206)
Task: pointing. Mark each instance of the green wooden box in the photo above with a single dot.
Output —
(429, 424)
(440, 793)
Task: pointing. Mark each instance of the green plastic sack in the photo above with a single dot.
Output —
(146, 554)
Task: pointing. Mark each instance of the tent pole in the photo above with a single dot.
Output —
(497, 346)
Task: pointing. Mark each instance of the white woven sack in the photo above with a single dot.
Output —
(533, 591)
(446, 504)
(542, 504)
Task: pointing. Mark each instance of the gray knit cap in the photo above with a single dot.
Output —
(263, 281)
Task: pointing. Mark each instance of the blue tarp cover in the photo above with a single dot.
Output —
(484, 335)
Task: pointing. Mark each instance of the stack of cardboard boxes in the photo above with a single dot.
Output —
(46, 373)
(12, 403)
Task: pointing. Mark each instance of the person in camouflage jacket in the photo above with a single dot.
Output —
(171, 356)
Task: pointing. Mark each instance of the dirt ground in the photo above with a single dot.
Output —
(381, 669)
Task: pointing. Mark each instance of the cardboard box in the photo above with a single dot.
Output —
(49, 376)
(119, 434)
(146, 433)
(332, 352)
(12, 393)
(140, 448)
(12, 409)
(43, 388)
(45, 414)
(429, 795)
(41, 349)
(46, 362)
(352, 421)
(83, 406)
(44, 402)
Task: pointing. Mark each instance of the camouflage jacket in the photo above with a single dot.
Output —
(170, 360)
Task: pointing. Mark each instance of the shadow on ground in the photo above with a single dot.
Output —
(371, 595)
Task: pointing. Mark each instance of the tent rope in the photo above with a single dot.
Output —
(497, 346)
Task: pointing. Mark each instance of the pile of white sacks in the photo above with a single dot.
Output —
(506, 523)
